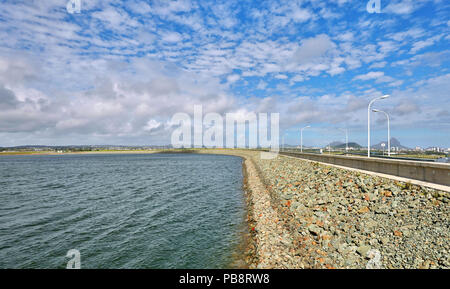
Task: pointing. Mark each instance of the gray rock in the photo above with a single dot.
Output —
(384, 240)
(314, 229)
(362, 250)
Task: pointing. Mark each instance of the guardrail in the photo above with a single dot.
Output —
(438, 173)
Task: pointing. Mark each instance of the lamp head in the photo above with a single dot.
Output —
(385, 96)
(375, 110)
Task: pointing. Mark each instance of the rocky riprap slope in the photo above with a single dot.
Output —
(337, 218)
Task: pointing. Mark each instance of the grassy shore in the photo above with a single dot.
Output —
(96, 152)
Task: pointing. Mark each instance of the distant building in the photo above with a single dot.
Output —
(435, 149)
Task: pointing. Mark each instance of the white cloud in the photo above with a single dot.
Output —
(261, 85)
(424, 43)
(414, 32)
(152, 125)
(402, 7)
(313, 48)
(233, 78)
(115, 19)
(369, 75)
(378, 64)
(281, 76)
(301, 15)
(172, 37)
(347, 36)
(378, 76)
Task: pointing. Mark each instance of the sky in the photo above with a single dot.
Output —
(117, 72)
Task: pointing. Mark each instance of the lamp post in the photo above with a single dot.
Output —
(346, 138)
(368, 121)
(389, 130)
(301, 137)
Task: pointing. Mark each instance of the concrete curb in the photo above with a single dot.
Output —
(392, 177)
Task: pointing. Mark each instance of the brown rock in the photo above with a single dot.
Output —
(364, 210)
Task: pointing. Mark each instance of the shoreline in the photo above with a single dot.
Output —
(77, 153)
(267, 236)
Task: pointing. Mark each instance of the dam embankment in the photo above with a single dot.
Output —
(304, 214)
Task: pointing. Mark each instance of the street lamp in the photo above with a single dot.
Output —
(368, 121)
(301, 137)
(389, 130)
(346, 138)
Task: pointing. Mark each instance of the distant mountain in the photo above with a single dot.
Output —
(350, 145)
(341, 145)
(335, 144)
(394, 143)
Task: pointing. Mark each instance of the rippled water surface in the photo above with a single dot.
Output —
(120, 210)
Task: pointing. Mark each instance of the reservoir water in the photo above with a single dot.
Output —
(121, 210)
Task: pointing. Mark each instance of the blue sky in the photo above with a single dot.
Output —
(116, 72)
